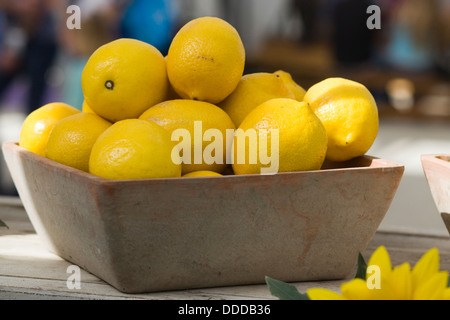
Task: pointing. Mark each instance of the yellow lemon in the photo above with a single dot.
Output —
(349, 113)
(39, 123)
(252, 90)
(72, 138)
(206, 60)
(295, 88)
(201, 129)
(134, 149)
(86, 108)
(280, 135)
(123, 78)
(204, 173)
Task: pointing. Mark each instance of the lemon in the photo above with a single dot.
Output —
(193, 119)
(252, 90)
(295, 88)
(206, 60)
(72, 138)
(349, 113)
(123, 78)
(39, 123)
(134, 149)
(86, 108)
(204, 173)
(296, 139)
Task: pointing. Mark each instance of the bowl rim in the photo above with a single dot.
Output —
(441, 159)
(376, 163)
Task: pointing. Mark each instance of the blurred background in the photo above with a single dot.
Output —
(401, 52)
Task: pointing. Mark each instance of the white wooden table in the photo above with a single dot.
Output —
(28, 271)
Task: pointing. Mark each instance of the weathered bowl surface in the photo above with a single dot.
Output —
(437, 171)
(168, 234)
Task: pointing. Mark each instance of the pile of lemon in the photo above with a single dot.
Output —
(136, 99)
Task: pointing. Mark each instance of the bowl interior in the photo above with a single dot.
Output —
(444, 158)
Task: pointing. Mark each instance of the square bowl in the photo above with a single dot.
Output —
(182, 233)
(437, 172)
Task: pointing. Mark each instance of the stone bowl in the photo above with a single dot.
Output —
(183, 233)
(437, 172)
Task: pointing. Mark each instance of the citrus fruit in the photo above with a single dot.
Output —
(134, 149)
(206, 60)
(123, 78)
(39, 123)
(252, 90)
(280, 135)
(295, 88)
(203, 173)
(86, 108)
(72, 138)
(349, 113)
(201, 129)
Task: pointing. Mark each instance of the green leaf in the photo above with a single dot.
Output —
(284, 291)
(361, 269)
(3, 225)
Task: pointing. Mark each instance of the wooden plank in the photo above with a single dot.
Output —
(47, 288)
(14, 216)
(24, 255)
(10, 201)
(410, 248)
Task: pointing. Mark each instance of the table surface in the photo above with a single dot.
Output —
(28, 271)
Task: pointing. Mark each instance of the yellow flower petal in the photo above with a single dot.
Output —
(425, 281)
(426, 267)
(432, 289)
(446, 294)
(380, 258)
(400, 282)
(357, 289)
(323, 294)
